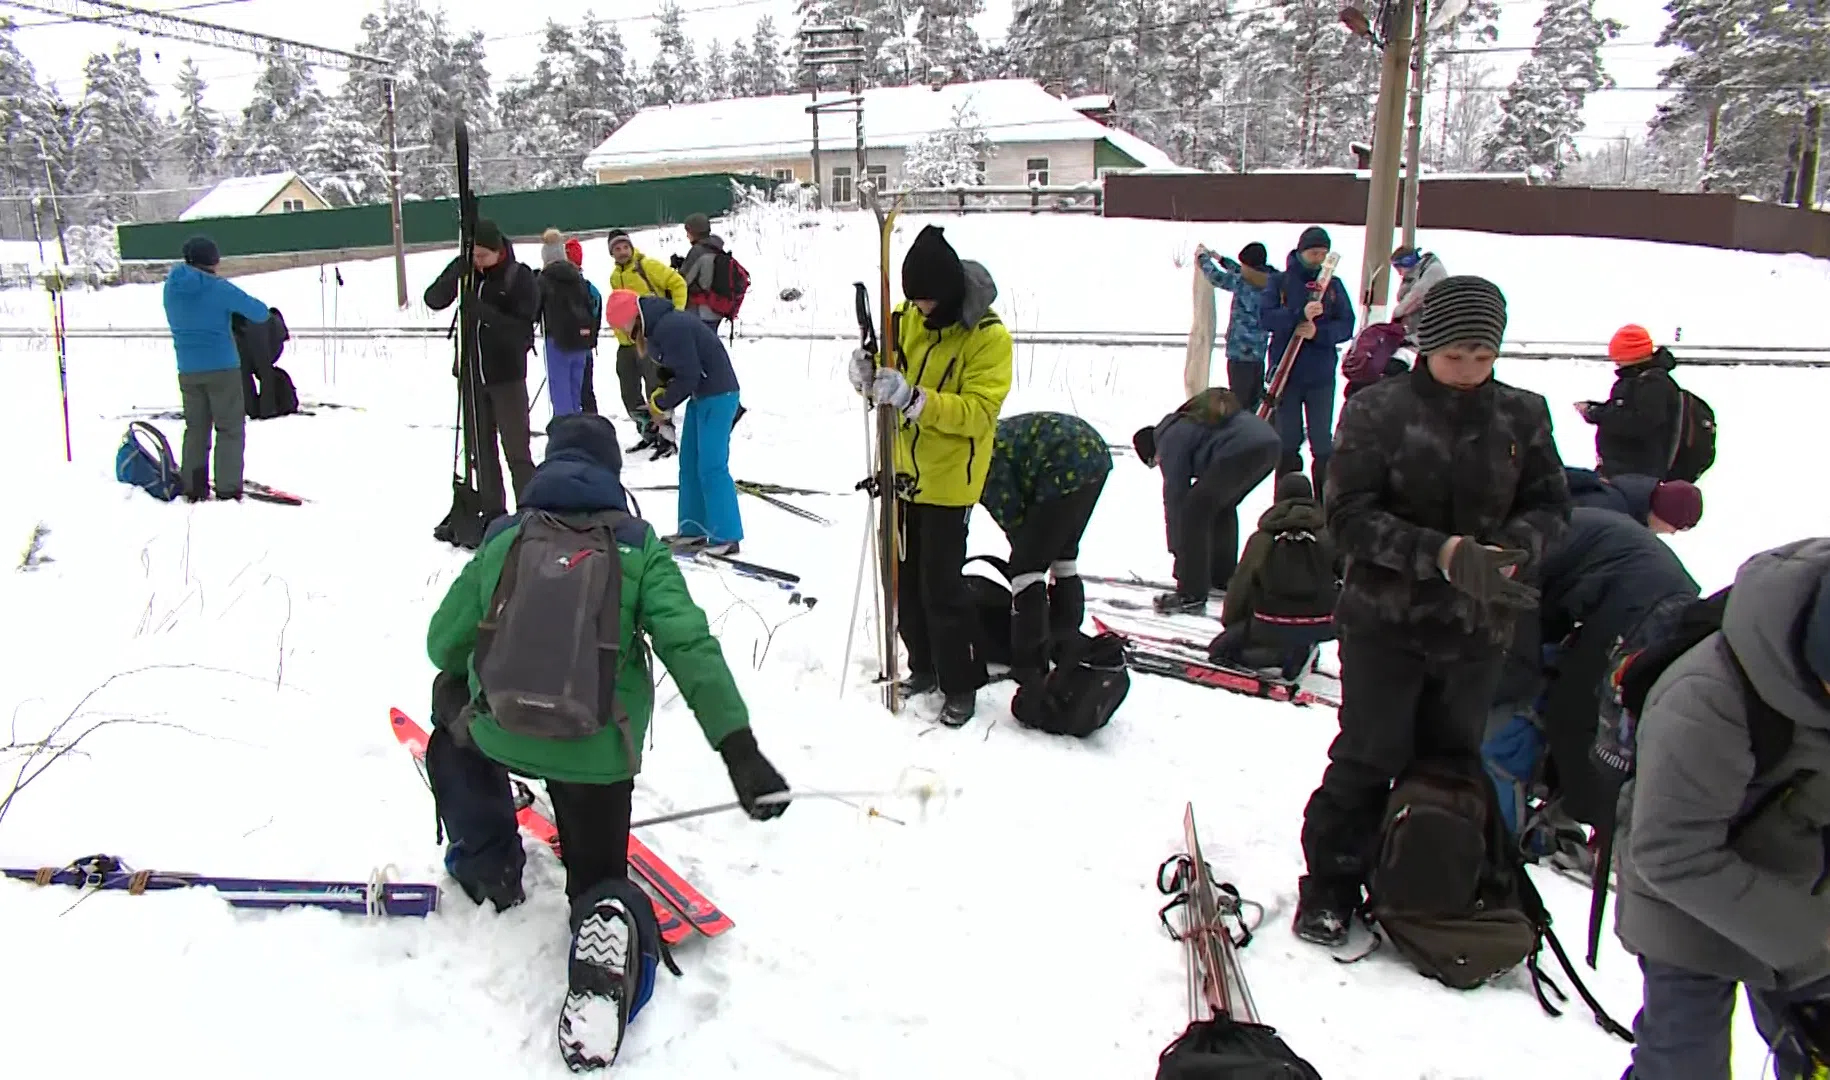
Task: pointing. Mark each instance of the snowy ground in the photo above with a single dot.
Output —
(242, 659)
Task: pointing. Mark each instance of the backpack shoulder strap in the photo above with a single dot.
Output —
(642, 272)
(1769, 730)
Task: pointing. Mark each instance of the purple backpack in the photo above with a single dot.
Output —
(1371, 351)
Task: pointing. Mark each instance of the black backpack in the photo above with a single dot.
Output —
(549, 647)
(1298, 579)
(1086, 685)
(1693, 450)
(1449, 891)
(1225, 1049)
(568, 313)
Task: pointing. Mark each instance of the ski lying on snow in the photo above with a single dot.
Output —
(1154, 657)
(263, 493)
(690, 552)
(1203, 628)
(373, 899)
(1131, 582)
(680, 908)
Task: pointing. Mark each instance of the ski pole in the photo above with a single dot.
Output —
(924, 792)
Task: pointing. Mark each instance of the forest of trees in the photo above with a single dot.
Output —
(1218, 84)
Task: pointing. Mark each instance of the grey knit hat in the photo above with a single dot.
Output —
(552, 247)
(1461, 309)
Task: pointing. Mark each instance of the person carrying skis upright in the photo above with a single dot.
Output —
(1723, 836)
(1280, 603)
(570, 316)
(644, 276)
(1664, 506)
(507, 307)
(199, 309)
(1249, 280)
(695, 371)
(1636, 427)
(947, 377)
(1446, 489)
(1047, 470)
(1297, 308)
(1212, 453)
(542, 647)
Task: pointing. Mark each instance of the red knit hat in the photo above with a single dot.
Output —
(1630, 344)
(575, 252)
(1678, 503)
(621, 310)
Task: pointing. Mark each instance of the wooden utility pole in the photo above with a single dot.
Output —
(1382, 190)
(198, 32)
(1413, 151)
(839, 50)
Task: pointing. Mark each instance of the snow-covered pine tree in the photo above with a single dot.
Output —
(279, 118)
(948, 42)
(438, 76)
(29, 112)
(1467, 115)
(740, 79)
(950, 156)
(115, 136)
(196, 130)
(768, 70)
(674, 76)
(342, 159)
(717, 72)
(578, 92)
(1541, 113)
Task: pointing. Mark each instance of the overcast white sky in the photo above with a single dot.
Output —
(513, 32)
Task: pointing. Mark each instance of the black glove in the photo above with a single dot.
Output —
(752, 775)
(1479, 572)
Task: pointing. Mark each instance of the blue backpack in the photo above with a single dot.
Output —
(145, 461)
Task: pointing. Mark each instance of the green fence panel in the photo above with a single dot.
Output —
(638, 204)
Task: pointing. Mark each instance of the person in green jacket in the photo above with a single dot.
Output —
(590, 779)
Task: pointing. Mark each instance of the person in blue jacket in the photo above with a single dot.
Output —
(198, 307)
(1249, 280)
(697, 372)
(1297, 308)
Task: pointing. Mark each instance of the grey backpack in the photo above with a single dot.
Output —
(548, 649)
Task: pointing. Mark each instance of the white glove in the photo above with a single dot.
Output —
(890, 388)
(664, 427)
(860, 369)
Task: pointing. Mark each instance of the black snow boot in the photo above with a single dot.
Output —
(1174, 603)
(959, 708)
(501, 891)
(1324, 911)
(916, 684)
(603, 978)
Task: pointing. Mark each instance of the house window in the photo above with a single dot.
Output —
(979, 167)
(841, 185)
(783, 175)
(1037, 168)
(878, 175)
(292, 206)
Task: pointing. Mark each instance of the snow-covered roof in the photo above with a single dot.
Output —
(1147, 155)
(242, 195)
(1008, 111)
(1092, 102)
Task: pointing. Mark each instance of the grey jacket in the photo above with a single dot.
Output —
(1744, 909)
(696, 268)
(1408, 304)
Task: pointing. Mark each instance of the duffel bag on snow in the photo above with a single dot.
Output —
(1224, 1049)
(145, 461)
(1081, 692)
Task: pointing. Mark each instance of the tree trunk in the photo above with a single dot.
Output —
(1710, 132)
(1806, 187)
(1789, 185)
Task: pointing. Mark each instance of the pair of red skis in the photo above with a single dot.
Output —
(681, 909)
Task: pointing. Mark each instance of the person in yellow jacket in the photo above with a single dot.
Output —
(947, 378)
(635, 373)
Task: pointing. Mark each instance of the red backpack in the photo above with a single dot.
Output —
(730, 283)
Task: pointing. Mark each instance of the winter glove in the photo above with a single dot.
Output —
(860, 370)
(1484, 574)
(665, 431)
(752, 776)
(890, 388)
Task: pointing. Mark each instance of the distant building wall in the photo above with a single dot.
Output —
(1718, 221)
(298, 191)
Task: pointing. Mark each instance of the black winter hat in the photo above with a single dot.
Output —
(201, 252)
(1255, 256)
(590, 434)
(932, 271)
(617, 234)
(1144, 442)
(489, 235)
(1313, 237)
(1294, 486)
(1464, 308)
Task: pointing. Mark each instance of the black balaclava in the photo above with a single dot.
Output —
(932, 271)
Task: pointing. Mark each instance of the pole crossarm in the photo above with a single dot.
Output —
(198, 32)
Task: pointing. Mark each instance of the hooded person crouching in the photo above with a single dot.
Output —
(1280, 603)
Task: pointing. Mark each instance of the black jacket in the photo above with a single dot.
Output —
(260, 344)
(1636, 428)
(1627, 493)
(507, 306)
(1416, 463)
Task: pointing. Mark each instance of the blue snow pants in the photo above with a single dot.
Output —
(1314, 403)
(708, 495)
(1682, 1030)
(565, 377)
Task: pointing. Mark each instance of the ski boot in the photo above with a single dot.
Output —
(959, 709)
(726, 548)
(1174, 603)
(603, 979)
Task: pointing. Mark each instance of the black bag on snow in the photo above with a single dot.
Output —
(1086, 685)
(1224, 1049)
(548, 649)
(1693, 451)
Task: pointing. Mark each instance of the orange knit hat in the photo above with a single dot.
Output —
(1630, 344)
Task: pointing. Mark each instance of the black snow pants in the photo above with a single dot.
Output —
(1044, 547)
(476, 808)
(933, 613)
(1399, 701)
(1207, 548)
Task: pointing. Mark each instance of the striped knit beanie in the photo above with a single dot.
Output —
(1462, 309)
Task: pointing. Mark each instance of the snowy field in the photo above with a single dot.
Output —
(234, 665)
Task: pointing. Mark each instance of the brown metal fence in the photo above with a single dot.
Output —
(1717, 221)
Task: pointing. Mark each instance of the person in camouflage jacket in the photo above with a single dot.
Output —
(1444, 492)
(1047, 470)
